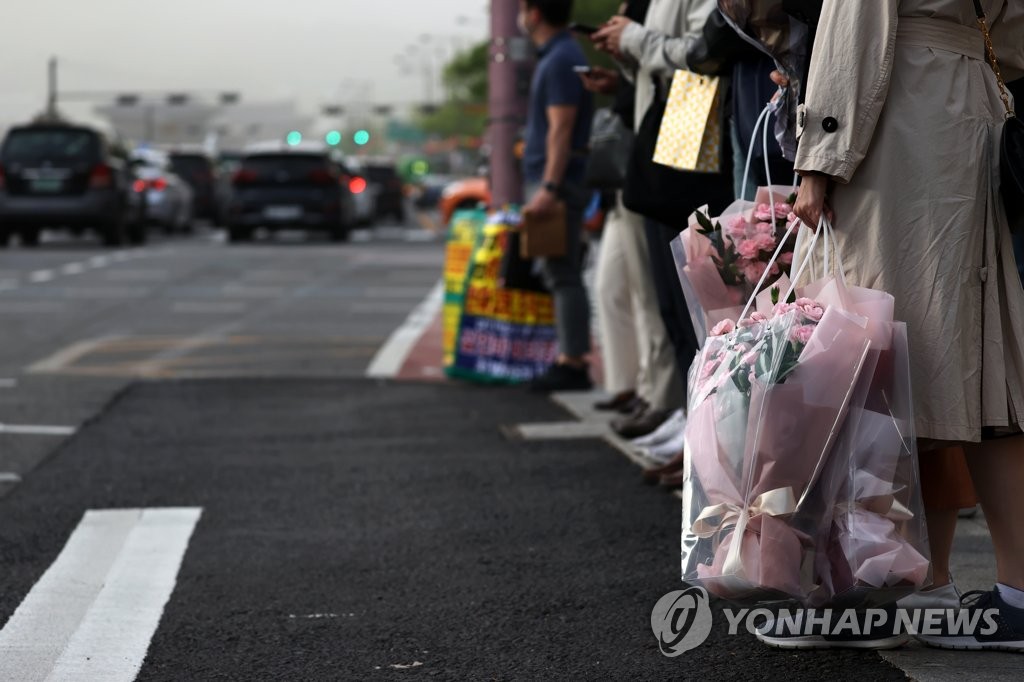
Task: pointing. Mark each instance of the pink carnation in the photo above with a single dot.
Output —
(750, 358)
(724, 327)
(746, 322)
(783, 210)
(759, 317)
(765, 242)
(753, 270)
(709, 368)
(802, 334)
(748, 248)
(786, 258)
(764, 228)
(763, 212)
(782, 308)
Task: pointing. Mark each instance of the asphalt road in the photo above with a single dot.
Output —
(80, 322)
(349, 528)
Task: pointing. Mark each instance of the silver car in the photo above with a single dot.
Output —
(166, 199)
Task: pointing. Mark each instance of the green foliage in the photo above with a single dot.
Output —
(465, 77)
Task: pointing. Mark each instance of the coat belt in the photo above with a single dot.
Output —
(941, 35)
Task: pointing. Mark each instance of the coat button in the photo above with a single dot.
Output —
(830, 125)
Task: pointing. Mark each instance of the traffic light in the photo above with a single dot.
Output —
(333, 138)
(419, 167)
(362, 137)
(293, 138)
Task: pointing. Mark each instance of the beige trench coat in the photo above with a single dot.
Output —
(904, 112)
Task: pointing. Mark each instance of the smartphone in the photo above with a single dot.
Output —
(583, 28)
(584, 70)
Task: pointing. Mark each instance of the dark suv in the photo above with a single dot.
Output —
(390, 192)
(62, 175)
(290, 189)
(198, 170)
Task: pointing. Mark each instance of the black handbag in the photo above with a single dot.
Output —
(665, 194)
(718, 48)
(611, 144)
(1011, 152)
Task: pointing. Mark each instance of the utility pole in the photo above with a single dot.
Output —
(51, 101)
(509, 55)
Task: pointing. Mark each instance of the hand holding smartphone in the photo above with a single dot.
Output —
(583, 29)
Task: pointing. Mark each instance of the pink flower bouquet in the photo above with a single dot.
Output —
(721, 260)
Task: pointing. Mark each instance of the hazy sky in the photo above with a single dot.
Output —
(267, 49)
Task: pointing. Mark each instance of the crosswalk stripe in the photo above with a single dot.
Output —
(93, 613)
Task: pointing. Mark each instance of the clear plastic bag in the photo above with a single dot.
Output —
(801, 469)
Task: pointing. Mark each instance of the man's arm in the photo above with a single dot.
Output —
(561, 121)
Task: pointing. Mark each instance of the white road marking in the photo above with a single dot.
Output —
(9, 477)
(392, 355)
(70, 355)
(208, 307)
(73, 269)
(8, 383)
(40, 276)
(29, 307)
(99, 261)
(94, 612)
(37, 430)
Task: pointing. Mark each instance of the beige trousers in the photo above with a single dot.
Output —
(635, 347)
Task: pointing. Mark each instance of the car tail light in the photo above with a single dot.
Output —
(321, 176)
(357, 185)
(244, 176)
(160, 184)
(101, 177)
(139, 186)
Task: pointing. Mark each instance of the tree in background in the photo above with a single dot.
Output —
(464, 111)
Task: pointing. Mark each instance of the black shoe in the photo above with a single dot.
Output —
(560, 378)
(640, 424)
(617, 402)
(1008, 633)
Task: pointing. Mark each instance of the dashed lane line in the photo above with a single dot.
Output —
(36, 430)
(93, 614)
(44, 275)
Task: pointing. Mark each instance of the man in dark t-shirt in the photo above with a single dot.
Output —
(554, 164)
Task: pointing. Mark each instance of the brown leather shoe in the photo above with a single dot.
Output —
(640, 424)
(654, 475)
(617, 402)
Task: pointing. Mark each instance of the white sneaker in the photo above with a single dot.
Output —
(663, 452)
(945, 597)
(675, 424)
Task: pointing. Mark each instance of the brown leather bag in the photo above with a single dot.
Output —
(545, 236)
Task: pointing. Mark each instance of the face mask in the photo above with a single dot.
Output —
(521, 22)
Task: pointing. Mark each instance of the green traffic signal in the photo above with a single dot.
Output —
(333, 138)
(294, 138)
(361, 137)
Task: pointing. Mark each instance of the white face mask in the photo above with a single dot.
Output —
(521, 23)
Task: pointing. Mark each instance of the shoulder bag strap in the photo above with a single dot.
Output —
(993, 62)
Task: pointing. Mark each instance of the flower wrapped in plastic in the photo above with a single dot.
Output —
(876, 544)
(767, 401)
(720, 260)
(801, 469)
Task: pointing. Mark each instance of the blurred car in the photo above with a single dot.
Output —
(364, 193)
(389, 192)
(198, 170)
(64, 175)
(462, 194)
(227, 163)
(165, 198)
(426, 193)
(281, 187)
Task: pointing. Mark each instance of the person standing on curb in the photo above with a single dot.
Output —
(557, 134)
